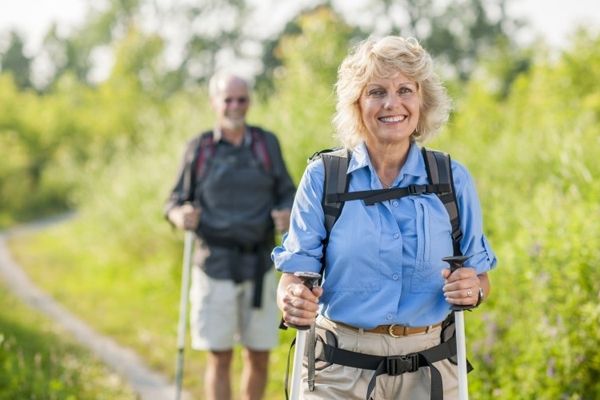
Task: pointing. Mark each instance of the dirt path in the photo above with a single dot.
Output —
(148, 384)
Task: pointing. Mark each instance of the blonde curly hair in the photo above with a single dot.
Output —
(378, 58)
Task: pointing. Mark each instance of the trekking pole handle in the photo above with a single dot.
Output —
(310, 280)
(457, 262)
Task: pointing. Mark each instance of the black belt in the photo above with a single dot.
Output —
(252, 248)
(245, 248)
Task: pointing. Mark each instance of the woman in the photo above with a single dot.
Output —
(385, 290)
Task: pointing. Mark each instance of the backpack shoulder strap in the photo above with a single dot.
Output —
(335, 162)
(336, 181)
(439, 171)
(205, 151)
(260, 148)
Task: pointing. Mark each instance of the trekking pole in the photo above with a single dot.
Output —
(457, 262)
(182, 325)
(310, 280)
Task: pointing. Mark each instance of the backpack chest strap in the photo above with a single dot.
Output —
(371, 197)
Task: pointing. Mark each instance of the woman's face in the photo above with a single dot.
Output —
(390, 109)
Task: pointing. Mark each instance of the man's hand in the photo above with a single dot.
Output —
(185, 217)
(281, 218)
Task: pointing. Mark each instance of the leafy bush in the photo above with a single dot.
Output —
(533, 155)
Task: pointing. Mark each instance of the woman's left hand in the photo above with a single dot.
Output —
(461, 286)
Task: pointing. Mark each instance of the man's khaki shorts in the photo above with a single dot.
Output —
(222, 313)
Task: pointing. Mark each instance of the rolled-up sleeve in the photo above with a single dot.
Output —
(284, 186)
(182, 190)
(474, 243)
(302, 246)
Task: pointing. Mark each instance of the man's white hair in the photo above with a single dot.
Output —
(220, 78)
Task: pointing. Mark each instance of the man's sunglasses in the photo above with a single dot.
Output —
(239, 100)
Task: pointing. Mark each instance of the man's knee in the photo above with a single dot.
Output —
(258, 360)
(220, 359)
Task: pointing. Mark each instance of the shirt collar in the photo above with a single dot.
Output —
(218, 135)
(360, 158)
(414, 165)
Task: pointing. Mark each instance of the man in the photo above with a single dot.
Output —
(232, 190)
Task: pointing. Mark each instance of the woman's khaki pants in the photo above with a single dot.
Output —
(338, 382)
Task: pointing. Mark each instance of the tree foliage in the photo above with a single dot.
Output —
(456, 32)
(304, 84)
(73, 54)
(14, 61)
(198, 38)
(52, 137)
(533, 154)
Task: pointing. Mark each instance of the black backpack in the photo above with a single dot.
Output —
(206, 150)
(335, 190)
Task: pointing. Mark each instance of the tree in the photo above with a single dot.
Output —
(214, 32)
(304, 84)
(459, 32)
(14, 61)
(73, 53)
(206, 34)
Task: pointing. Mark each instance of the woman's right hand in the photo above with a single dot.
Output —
(298, 303)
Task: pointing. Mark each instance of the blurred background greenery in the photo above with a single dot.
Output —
(525, 122)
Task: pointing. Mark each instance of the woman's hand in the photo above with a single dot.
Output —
(462, 286)
(298, 303)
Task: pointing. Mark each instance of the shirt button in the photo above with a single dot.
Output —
(396, 235)
(395, 277)
(389, 316)
(395, 203)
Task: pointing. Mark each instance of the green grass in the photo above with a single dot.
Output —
(135, 302)
(38, 360)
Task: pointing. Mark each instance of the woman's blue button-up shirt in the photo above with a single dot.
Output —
(384, 261)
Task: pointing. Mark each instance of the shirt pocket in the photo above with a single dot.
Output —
(358, 294)
(423, 232)
(426, 275)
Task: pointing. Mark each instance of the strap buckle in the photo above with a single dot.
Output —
(397, 365)
(416, 189)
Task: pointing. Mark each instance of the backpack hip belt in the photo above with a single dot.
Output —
(394, 365)
(247, 248)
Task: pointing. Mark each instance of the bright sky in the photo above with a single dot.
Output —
(34, 17)
(553, 19)
(556, 19)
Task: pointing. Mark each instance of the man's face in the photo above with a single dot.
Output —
(231, 103)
